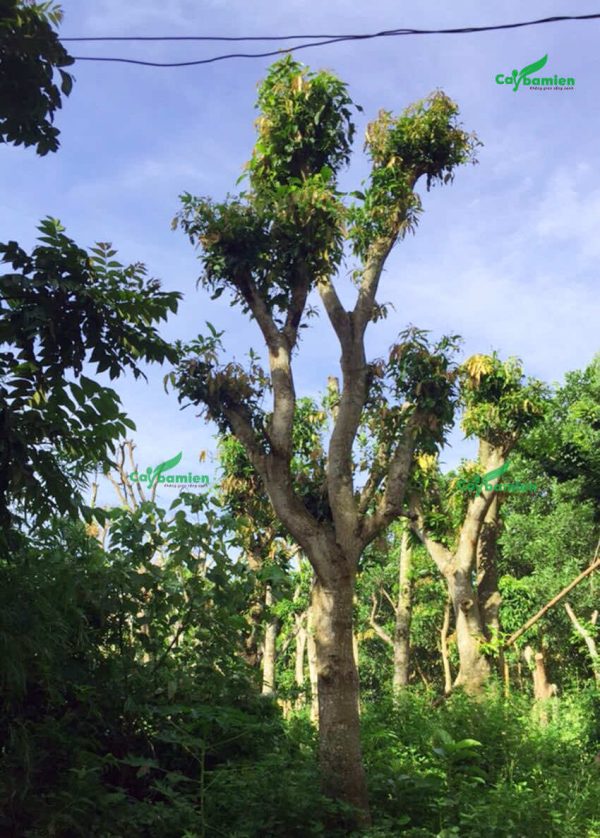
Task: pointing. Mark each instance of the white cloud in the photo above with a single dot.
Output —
(569, 212)
(125, 17)
(143, 176)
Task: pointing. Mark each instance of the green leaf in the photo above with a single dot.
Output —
(66, 82)
(467, 743)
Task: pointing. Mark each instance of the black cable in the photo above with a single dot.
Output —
(204, 37)
(459, 30)
(327, 39)
(218, 57)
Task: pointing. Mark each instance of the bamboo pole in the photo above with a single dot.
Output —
(553, 601)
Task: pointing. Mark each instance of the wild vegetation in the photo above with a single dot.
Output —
(340, 637)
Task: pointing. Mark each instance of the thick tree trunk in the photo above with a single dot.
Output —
(487, 570)
(474, 668)
(487, 577)
(340, 754)
(403, 616)
(269, 649)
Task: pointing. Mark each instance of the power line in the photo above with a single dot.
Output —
(315, 40)
(337, 36)
(211, 37)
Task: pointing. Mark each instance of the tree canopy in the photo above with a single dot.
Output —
(32, 75)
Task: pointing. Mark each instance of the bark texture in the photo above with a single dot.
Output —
(444, 648)
(340, 752)
(311, 649)
(301, 638)
(403, 616)
(269, 648)
(474, 668)
(460, 567)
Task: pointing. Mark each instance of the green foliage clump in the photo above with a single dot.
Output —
(62, 307)
(568, 442)
(488, 767)
(424, 141)
(499, 405)
(30, 53)
(305, 125)
(288, 226)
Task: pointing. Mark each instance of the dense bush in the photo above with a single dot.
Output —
(102, 737)
(489, 767)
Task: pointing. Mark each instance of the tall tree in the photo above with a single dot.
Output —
(271, 247)
(499, 406)
(399, 638)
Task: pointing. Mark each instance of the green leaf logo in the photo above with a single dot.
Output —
(497, 472)
(527, 71)
(168, 464)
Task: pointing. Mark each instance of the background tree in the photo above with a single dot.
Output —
(400, 549)
(547, 539)
(567, 444)
(61, 307)
(265, 549)
(458, 528)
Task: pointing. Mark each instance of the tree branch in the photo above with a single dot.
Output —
(340, 479)
(376, 475)
(376, 259)
(294, 314)
(466, 552)
(533, 620)
(375, 626)
(259, 309)
(440, 554)
(444, 648)
(391, 501)
(363, 310)
(338, 316)
(284, 400)
(279, 345)
(390, 600)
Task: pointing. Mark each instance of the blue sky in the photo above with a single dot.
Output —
(507, 256)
